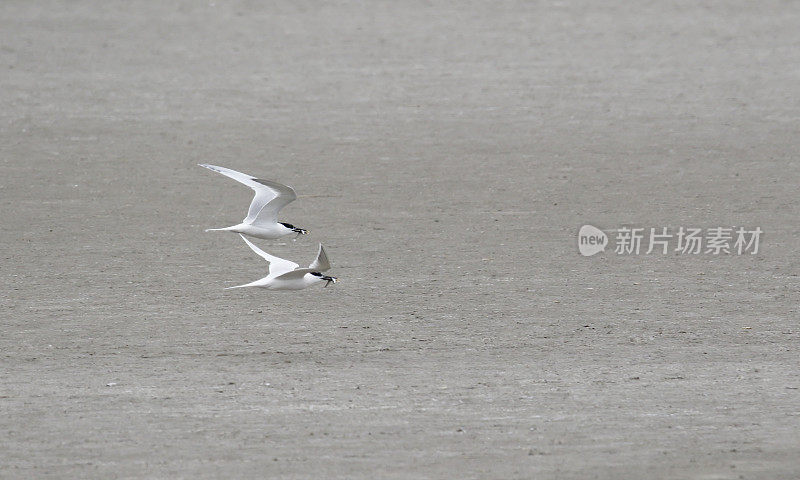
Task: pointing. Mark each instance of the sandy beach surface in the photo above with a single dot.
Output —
(446, 154)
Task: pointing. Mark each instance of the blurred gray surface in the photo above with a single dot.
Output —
(446, 153)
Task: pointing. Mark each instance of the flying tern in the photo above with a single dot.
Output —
(285, 275)
(262, 217)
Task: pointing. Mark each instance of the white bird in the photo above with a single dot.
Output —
(262, 217)
(285, 275)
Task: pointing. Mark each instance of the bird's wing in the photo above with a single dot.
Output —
(268, 212)
(294, 274)
(277, 265)
(321, 263)
(270, 196)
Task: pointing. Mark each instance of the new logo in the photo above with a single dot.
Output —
(591, 240)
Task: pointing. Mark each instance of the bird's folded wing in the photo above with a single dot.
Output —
(277, 265)
(294, 274)
(321, 263)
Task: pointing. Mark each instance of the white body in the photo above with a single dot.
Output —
(266, 231)
(262, 216)
(286, 275)
(276, 283)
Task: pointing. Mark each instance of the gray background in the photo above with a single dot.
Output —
(446, 153)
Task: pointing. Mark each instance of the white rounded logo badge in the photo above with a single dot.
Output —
(591, 240)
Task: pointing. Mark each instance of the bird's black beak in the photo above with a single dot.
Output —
(329, 280)
(299, 231)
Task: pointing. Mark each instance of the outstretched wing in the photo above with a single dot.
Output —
(321, 263)
(277, 265)
(268, 213)
(270, 196)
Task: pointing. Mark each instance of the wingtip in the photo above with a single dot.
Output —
(213, 168)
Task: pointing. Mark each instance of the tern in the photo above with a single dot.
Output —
(285, 275)
(262, 217)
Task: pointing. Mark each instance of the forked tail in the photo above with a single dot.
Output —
(218, 229)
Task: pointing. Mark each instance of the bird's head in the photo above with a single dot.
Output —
(322, 277)
(297, 230)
